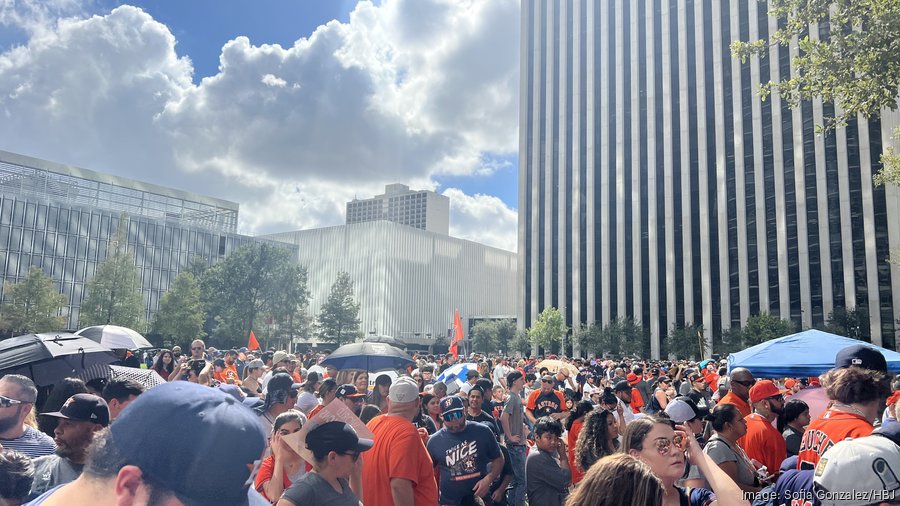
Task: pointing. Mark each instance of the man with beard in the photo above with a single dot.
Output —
(763, 442)
(546, 401)
(79, 418)
(466, 454)
(17, 396)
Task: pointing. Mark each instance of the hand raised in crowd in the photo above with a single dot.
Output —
(688, 443)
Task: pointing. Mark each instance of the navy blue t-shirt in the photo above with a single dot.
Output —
(462, 459)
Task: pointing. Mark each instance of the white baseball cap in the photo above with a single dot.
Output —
(405, 389)
(852, 466)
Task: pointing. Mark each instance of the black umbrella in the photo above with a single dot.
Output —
(368, 356)
(393, 341)
(49, 358)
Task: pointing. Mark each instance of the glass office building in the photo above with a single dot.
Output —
(656, 185)
(65, 219)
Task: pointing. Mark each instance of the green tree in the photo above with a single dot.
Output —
(732, 341)
(180, 316)
(520, 344)
(244, 286)
(687, 341)
(114, 292)
(338, 320)
(856, 66)
(593, 339)
(32, 305)
(764, 327)
(289, 299)
(493, 335)
(849, 322)
(549, 329)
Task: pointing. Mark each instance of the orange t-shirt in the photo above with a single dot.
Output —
(831, 427)
(398, 453)
(572, 438)
(637, 402)
(228, 373)
(764, 443)
(315, 411)
(741, 404)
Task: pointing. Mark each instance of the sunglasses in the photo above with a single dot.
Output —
(747, 384)
(6, 402)
(453, 415)
(196, 347)
(353, 455)
(546, 381)
(779, 397)
(664, 446)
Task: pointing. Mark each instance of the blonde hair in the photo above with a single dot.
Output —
(616, 480)
(31, 418)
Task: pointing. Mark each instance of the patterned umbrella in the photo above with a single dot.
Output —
(458, 371)
(148, 378)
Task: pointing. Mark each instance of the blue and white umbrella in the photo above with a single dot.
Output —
(457, 371)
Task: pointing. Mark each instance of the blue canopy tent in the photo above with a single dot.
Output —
(807, 353)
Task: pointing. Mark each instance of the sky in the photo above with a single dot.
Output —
(289, 107)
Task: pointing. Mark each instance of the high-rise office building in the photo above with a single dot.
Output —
(421, 209)
(656, 185)
(66, 220)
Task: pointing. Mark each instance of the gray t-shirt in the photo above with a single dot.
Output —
(721, 451)
(53, 470)
(513, 406)
(313, 489)
(545, 481)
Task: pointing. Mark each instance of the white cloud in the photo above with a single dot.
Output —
(482, 218)
(406, 91)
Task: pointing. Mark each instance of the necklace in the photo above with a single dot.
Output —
(847, 407)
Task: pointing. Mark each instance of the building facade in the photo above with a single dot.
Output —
(65, 220)
(422, 209)
(408, 282)
(656, 185)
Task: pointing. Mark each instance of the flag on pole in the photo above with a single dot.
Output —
(457, 335)
(252, 344)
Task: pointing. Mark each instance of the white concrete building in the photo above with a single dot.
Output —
(420, 209)
(408, 282)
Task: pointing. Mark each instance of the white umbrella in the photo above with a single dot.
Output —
(115, 337)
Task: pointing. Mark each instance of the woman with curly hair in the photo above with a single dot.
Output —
(574, 424)
(598, 438)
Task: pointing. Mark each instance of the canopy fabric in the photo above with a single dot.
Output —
(807, 353)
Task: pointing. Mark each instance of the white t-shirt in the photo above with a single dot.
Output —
(588, 390)
(500, 371)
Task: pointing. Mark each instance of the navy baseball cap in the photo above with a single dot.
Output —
(172, 432)
(452, 403)
(83, 408)
(860, 355)
(348, 391)
(336, 437)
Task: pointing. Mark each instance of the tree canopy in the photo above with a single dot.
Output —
(549, 328)
(764, 327)
(338, 320)
(32, 305)
(180, 316)
(114, 293)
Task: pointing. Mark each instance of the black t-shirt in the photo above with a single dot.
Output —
(507, 471)
(485, 419)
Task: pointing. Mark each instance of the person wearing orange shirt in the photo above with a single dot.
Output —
(857, 386)
(762, 441)
(741, 381)
(398, 469)
(546, 401)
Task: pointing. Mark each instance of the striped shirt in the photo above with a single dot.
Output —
(32, 443)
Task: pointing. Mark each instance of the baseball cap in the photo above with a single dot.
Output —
(632, 378)
(789, 383)
(279, 356)
(451, 404)
(869, 463)
(763, 389)
(173, 431)
(405, 389)
(348, 391)
(336, 437)
(83, 408)
(472, 373)
(684, 409)
(282, 381)
(860, 355)
(255, 364)
(219, 362)
(622, 386)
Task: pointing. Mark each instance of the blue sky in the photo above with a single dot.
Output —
(411, 91)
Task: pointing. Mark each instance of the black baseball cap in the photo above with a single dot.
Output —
(83, 408)
(622, 386)
(860, 355)
(336, 437)
(348, 391)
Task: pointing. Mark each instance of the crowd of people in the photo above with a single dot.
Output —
(248, 427)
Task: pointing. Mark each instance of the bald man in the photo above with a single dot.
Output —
(739, 394)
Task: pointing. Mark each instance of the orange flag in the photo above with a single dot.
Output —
(457, 334)
(252, 344)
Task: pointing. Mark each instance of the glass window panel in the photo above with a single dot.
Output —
(4, 237)
(15, 239)
(27, 239)
(12, 264)
(41, 219)
(30, 209)
(24, 265)
(19, 213)
(6, 211)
